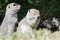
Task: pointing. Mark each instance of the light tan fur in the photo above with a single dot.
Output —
(30, 21)
(10, 19)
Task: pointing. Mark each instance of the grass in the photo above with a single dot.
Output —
(42, 34)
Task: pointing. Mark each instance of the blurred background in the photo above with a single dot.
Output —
(48, 8)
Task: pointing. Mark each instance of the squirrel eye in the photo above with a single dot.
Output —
(14, 4)
(9, 7)
(30, 19)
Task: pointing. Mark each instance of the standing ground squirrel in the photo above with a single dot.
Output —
(10, 19)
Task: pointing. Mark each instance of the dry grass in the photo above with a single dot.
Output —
(42, 34)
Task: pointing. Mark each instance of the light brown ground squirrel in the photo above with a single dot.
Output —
(29, 22)
(10, 19)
